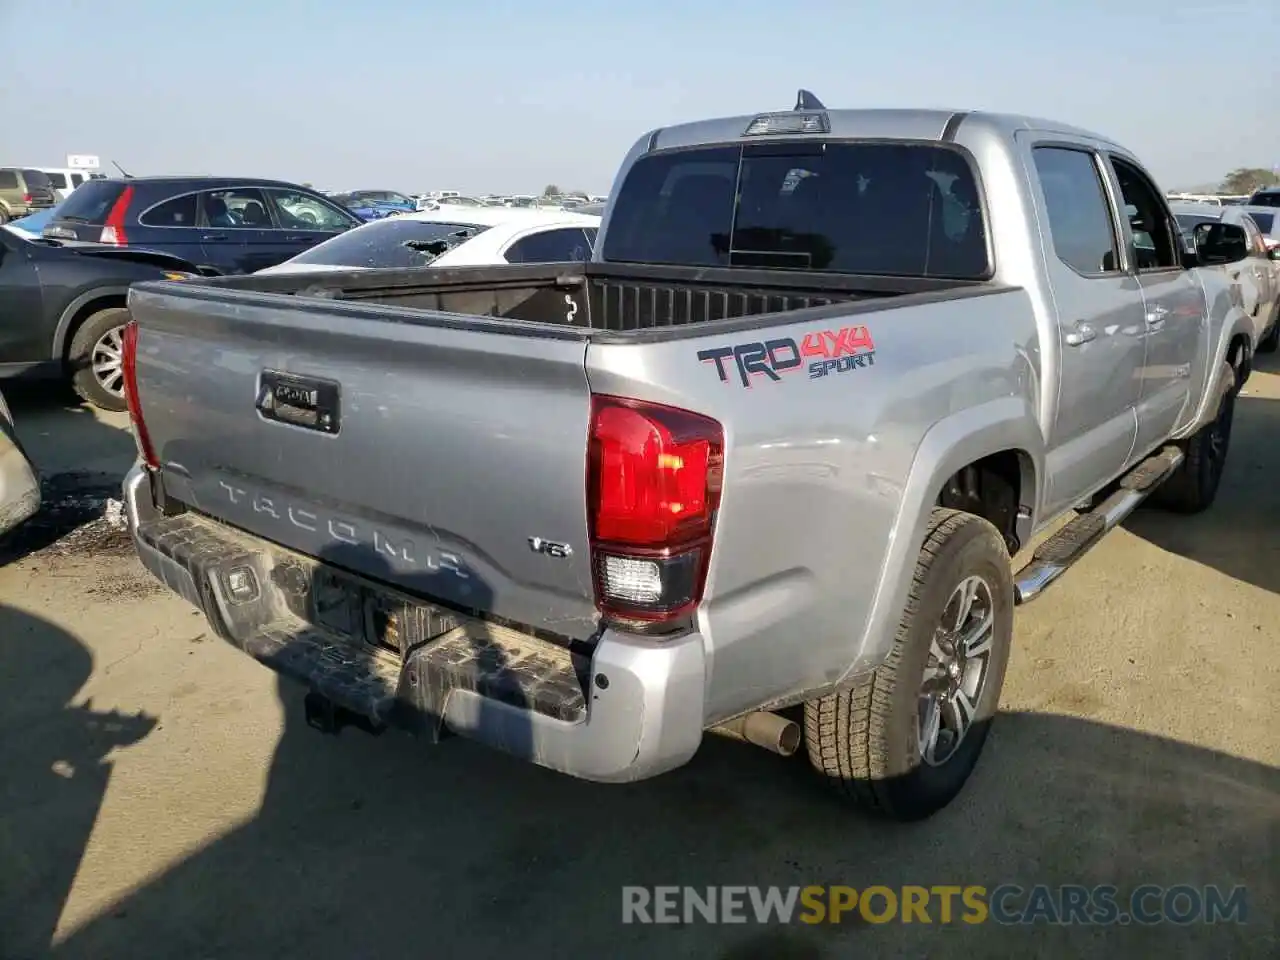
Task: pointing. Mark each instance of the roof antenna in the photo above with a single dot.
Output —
(807, 101)
(126, 173)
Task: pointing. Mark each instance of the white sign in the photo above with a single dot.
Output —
(82, 161)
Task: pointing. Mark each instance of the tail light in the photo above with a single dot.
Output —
(26, 198)
(113, 229)
(654, 475)
(129, 366)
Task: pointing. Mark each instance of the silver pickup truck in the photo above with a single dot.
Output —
(758, 468)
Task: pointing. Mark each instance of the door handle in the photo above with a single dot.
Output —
(1155, 317)
(1083, 333)
(298, 239)
(214, 236)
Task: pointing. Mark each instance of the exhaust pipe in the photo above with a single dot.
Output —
(763, 729)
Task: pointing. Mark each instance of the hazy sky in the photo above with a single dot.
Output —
(507, 96)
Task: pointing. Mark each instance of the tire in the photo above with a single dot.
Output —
(94, 336)
(1271, 341)
(4, 218)
(1194, 485)
(866, 740)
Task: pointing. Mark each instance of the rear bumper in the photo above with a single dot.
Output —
(629, 709)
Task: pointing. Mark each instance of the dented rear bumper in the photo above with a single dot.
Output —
(627, 709)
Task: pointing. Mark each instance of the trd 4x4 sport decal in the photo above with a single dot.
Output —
(827, 352)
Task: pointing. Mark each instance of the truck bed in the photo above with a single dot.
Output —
(595, 297)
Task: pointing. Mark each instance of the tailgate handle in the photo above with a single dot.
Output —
(307, 402)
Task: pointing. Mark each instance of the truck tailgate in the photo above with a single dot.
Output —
(424, 455)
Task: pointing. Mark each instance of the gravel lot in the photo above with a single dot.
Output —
(161, 796)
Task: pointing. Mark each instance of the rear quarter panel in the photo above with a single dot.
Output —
(829, 478)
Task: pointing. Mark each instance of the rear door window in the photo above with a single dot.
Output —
(91, 203)
(58, 180)
(178, 212)
(8, 179)
(1080, 222)
(891, 209)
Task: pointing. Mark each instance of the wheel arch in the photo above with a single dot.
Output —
(80, 309)
(1002, 435)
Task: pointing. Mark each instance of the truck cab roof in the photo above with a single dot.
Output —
(908, 124)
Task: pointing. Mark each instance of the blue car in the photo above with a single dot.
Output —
(31, 227)
(376, 204)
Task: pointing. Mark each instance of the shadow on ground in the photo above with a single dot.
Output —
(54, 757)
(370, 848)
(1240, 534)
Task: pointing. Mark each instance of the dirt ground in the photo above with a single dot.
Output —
(161, 796)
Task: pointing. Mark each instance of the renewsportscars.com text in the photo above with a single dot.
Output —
(1008, 904)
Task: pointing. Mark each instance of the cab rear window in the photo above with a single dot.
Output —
(891, 209)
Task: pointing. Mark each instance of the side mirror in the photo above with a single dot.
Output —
(1221, 243)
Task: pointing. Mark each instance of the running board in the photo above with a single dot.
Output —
(1056, 555)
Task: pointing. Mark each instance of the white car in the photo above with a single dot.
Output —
(453, 237)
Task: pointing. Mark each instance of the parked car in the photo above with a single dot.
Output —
(378, 203)
(775, 445)
(23, 191)
(223, 225)
(19, 479)
(62, 310)
(451, 238)
(1256, 276)
(31, 226)
(64, 179)
(1266, 197)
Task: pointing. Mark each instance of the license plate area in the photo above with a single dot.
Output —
(359, 611)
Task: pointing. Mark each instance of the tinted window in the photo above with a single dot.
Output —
(1079, 218)
(90, 203)
(58, 180)
(1265, 221)
(1156, 246)
(77, 179)
(874, 208)
(1265, 199)
(551, 246)
(36, 180)
(8, 179)
(237, 209)
(301, 211)
(178, 212)
(395, 242)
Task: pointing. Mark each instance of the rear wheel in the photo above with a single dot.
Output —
(904, 738)
(96, 358)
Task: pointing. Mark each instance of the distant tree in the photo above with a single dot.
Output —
(1247, 180)
(551, 190)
